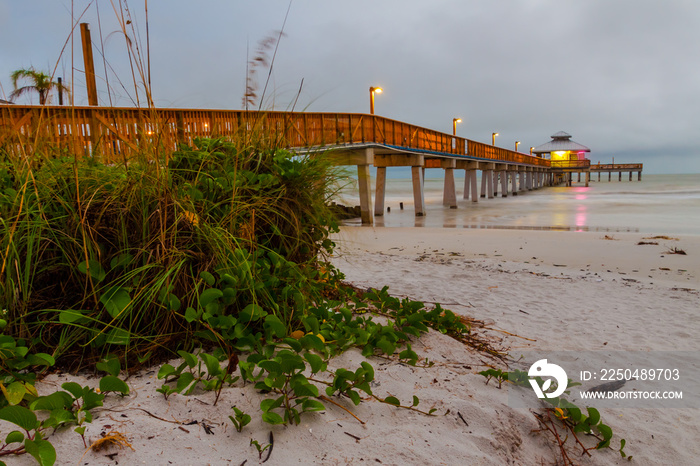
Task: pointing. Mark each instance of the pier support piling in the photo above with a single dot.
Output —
(449, 192)
(504, 183)
(418, 194)
(380, 192)
(363, 178)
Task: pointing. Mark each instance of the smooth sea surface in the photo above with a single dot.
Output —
(659, 204)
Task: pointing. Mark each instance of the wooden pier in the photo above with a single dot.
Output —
(117, 134)
(620, 168)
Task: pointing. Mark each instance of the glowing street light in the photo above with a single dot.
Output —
(493, 138)
(454, 125)
(372, 90)
(531, 149)
(517, 143)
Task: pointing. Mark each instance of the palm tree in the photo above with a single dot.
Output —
(40, 82)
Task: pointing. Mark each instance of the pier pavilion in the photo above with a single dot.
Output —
(566, 157)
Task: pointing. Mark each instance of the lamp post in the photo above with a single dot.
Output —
(493, 138)
(372, 90)
(531, 149)
(454, 125)
(517, 143)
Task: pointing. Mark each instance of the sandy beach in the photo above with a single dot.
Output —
(543, 290)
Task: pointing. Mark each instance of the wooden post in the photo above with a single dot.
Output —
(475, 194)
(588, 178)
(504, 183)
(363, 177)
(521, 186)
(467, 182)
(620, 176)
(630, 175)
(514, 183)
(380, 192)
(489, 183)
(609, 176)
(89, 64)
(484, 182)
(418, 196)
(449, 192)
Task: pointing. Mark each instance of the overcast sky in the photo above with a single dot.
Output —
(621, 76)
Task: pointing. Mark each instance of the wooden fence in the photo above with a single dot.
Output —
(114, 134)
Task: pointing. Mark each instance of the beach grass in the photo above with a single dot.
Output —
(98, 258)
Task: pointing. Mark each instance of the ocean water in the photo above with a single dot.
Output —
(659, 204)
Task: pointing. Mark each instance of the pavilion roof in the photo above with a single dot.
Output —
(561, 141)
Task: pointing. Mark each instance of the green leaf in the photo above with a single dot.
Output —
(120, 261)
(18, 437)
(112, 383)
(605, 431)
(174, 303)
(191, 314)
(165, 371)
(73, 388)
(293, 343)
(15, 392)
(115, 300)
(251, 313)
(117, 336)
(354, 396)
(213, 366)
(392, 400)
(369, 370)
(41, 359)
(290, 362)
(271, 366)
(209, 295)
(20, 416)
(415, 400)
(184, 381)
(269, 403)
(110, 366)
(62, 416)
(274, 326)
(207, 277)
(96, 271)
(312, 405)
(315, 362)
(593, 417)
(272, 418)
(56, 400)
(69, 316)
(91, 399)
(311, 341)
(190, 359)
(41, 450)
(302, 387)
(386, 346)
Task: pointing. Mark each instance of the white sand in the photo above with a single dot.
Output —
(559, 290)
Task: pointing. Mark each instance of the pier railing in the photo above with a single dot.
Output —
(583, 164)
(617, 166)
(119, 133)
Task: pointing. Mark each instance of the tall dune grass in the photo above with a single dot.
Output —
(101, 258)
